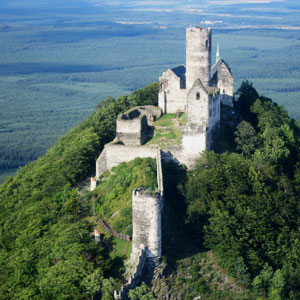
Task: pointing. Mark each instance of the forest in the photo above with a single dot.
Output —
(46, 248)
(232, 223)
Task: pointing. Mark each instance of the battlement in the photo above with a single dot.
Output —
(198, 29)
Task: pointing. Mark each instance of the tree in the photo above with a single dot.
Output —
(277, 286)
(246, 95)
(108, 287)
(142, 292)
(246, 138)
(262, 281)
(92, 282)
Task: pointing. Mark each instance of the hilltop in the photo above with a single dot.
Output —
(230, 225)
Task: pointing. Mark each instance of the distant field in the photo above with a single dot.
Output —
(53, 76)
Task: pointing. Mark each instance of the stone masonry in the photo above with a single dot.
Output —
(196, 89)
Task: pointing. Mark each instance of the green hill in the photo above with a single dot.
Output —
(46, 249)
(242, 212)
(230, 225)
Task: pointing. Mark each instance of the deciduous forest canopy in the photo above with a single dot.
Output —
(243, 205)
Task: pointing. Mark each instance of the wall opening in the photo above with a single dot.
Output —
(198, 96)
(206, 44)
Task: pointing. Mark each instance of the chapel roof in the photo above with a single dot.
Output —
(216, 66)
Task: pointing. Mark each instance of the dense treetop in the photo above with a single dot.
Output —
(243, 205)
(246, 206)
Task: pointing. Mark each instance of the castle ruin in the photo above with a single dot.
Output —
(197, 90)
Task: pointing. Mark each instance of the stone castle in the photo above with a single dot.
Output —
(199, 91)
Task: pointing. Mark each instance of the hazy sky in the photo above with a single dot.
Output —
(76, 3)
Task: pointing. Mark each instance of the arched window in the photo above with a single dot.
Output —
(198, 96)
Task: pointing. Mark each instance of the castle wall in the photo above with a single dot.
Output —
(114, 154)
(198, 56)
(152, 113)
(160, 182)
(171, 98)
(226, 85)
(132, 132)
(193, 143)
(101, 163)
(132, 126)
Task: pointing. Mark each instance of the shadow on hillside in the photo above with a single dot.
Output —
(179, 240)
(118, 268)
(224, 139)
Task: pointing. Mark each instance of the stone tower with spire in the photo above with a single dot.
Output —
(198, 89)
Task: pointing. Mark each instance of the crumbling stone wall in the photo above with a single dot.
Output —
(135, 278)
(132, 131)
(101, 163)
(152, 113)
(114, 154)
(133, 125)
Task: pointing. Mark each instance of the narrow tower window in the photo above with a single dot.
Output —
(198, 96)
(206, 44)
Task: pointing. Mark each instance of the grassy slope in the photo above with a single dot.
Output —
(167, 130)
(112, 196)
